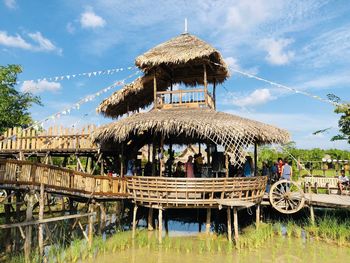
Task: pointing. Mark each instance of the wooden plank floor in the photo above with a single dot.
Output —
(328, 200)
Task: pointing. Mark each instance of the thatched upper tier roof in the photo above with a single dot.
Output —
(194, 124)
(183, 58)
(179, 60)
(132, 97)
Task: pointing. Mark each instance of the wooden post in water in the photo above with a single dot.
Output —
(257, 215)
(29, 217)
(207, 224)
(312, 215)
(41, 217)
(91, 224)
(134, 221)
(160, 225)
(150, 219)
(229, 226)
(235, 223)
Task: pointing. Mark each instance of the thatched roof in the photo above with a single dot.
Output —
(179, 60)
(183, 58)
(132, 97)
(196, 124)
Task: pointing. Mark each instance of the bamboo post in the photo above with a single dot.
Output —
(41, 217)
(255, 159)
(226, 165)
(312, 215)
(122, 160)
(7, 234)
(205, 81)
(235, 223)
(134, 221)
(229, 226)
(160, 225)
(28, 235)
(257, 215)
(207, 225)
(102, 215)
(91, 224)
(18, 211)
(150, 219)
(155, 89)
(214, 93)
(161, 161)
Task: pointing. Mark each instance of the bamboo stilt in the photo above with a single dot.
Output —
(312, 214)
(91, 224)
(160, 226)
(257, 215)
(150, 219)
(229, 225)
(207, 225)
(235, 223)
(134, 221)
(41, 217)
(28, 234)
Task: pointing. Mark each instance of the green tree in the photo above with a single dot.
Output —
(343, 123)
(14, 105)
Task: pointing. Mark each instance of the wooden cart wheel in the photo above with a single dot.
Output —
(3, 195)
(286, 197)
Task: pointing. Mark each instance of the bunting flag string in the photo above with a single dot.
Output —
(249, 75)
(72, 76)
(75, 106)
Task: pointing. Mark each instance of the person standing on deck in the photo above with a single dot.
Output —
(189, 168)
(287, 171)
(280, 166)
(248, 167)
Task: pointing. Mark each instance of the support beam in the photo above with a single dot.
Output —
(155, 89)
(255, 159)
(161, 161)
(91, 224)
(214, 93)
(312, 215)
(205, 81)
(160, 225)
(150, 219)
(134, 221)
(257, 215)
(227, 167)
(235, 223)
(29, 215)
(41, 217)
(207, 224)
(229, 225)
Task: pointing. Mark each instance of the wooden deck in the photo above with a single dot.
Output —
(328, 200)
(23, 175)
(194, 192)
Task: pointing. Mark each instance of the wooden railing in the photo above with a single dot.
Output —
(194, 98)
(190, 192)
(16, 174)
(55, 138)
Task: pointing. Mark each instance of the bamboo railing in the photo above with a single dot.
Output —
(54, 139)
(17, 174)
(194, 192)
(193, 98)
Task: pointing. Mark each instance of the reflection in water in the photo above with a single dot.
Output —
(278, 249)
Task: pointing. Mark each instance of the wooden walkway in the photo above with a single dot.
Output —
(328, 200)
(24, 175)
(56, 139)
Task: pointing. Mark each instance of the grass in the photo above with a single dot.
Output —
(330, 228)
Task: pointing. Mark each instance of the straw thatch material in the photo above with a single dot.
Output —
(233, 132)
(132, 97)
(183, 58)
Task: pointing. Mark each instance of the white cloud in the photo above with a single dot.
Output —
(40, 43)
(41, 86)
(11, 4)
(89, 19)
(276, 53)
(44, 43)
(232, 63)
(257, 97)
(13, 41)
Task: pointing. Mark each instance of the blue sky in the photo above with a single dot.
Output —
(302, 44)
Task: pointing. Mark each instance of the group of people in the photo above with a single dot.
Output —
(192, 168)
(278, 170)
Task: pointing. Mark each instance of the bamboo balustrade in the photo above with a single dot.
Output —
(194, 192)
(193, 98)
(53, 139)
(16, 174)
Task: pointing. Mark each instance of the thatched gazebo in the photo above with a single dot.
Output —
(180, 80)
